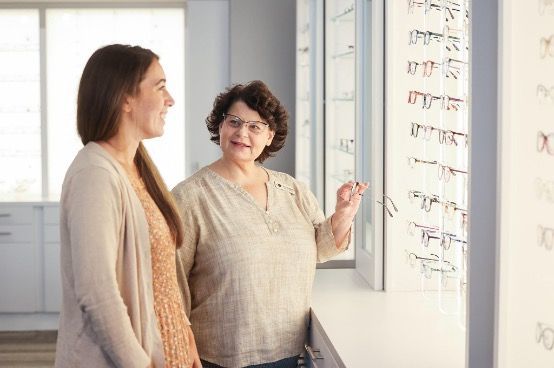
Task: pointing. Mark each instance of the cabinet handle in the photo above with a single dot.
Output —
(5, 234)
(313, 353)
(5, 215)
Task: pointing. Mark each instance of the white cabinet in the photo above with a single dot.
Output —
(19, 286)
(10, 215)
(319, 351)
(19, 283)
(52, 280)
(51, 260)
(29, 258)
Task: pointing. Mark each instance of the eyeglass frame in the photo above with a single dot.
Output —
(445, 172)
(447, 64)
(412, 161)
(543, 140)
(544, 93)
(447, 102)
(428, 5)
(454, 206)
(383, 203)
(540, 331)
(429, 65)
(427, 36)
(448, 137)
(546, 47)
(544, 4)
(427, 130)
(446, 239)
(427, 267)
(412, 258)
(544, 188)
(412, 226)
(242, 122)
(443, 134)
(446, 32)
(414, 35)
(542, 239)
(426, 200)
(430, 198)
(442, 168)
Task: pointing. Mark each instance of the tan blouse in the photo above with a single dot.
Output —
(168, 305)
(249, 271)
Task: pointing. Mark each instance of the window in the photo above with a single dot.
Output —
(20, 123)
(38, 108)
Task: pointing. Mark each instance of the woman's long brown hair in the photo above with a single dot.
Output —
(112, 73)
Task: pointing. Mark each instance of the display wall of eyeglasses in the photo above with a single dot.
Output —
(526, 305)
(427, 151)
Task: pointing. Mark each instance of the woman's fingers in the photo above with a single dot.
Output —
(361, 188)
(344, 190)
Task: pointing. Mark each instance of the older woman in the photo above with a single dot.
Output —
(253, 237)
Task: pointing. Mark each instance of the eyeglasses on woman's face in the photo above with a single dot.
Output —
(234, 122)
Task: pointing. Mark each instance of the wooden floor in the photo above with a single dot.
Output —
(27, 349)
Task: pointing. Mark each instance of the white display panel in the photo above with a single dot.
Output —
(526, 313)
(20, 110)
(340, 107)
(426, 139)
(304, 123)
(69, 45)
(370, 41)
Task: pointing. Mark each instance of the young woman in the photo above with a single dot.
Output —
(119, 226)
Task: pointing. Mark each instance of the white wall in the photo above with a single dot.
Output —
(207, 74)
(262, 46)
(236, 41)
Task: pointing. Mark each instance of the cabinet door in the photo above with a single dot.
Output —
(319, 352)
(52, 279)
(10, 215)
(19, 285)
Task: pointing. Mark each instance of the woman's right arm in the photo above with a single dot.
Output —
(94, 219)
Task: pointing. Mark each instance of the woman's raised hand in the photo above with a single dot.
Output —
(349, 196)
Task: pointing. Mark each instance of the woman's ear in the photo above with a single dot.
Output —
(270, 138)
(127, 103)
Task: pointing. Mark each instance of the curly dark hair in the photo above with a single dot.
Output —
(258, 97)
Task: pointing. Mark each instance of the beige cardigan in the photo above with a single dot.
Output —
(107, 317)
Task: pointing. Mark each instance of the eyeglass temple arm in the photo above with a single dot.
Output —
(385, 207)
(390, 199)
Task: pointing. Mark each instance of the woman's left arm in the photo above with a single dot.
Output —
(332, 234)
(193, 351)
(349, 197)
